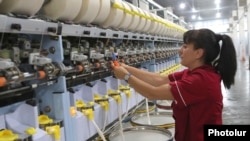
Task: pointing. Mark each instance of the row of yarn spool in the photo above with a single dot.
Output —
(116, 14)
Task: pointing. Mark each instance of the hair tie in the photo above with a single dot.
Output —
(218, 37)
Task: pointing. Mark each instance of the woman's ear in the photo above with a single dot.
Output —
(199, 53)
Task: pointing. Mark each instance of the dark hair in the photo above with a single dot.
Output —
(221, 55)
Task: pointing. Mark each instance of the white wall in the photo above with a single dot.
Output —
(218, 26)
(221, 26)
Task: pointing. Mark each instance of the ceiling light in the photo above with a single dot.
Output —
(199, 18)
(194, 10)
(217, 2)
(218, 15)
(193, 17)
(217, 6)
(182, 5)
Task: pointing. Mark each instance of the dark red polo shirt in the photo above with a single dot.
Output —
(198, 101)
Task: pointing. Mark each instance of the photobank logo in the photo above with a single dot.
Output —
(220, 132)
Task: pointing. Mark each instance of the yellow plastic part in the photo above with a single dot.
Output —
(123, 87)
(91, 103)
(54, 130)
(117, 99)
(72, 111)
(30, 131)
(80, 104)
(104, 104)
(110, 91)
(97, 97)
(126, 90)
(7, 135)
(44, 119)
(115, 95)
(127, 93)
(89, 113)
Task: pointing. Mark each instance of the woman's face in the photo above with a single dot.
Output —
(189, 55)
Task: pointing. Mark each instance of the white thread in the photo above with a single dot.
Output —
(147, 109)
(98, 130)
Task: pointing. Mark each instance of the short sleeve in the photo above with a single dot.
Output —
(188, 90)
(175, 76)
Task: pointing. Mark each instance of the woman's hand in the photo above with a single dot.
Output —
(123, 64)
(119, 71)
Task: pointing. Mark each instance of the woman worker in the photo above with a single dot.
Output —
(209, 58)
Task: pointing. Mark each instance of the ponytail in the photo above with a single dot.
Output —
(221, 56)
(226, 64)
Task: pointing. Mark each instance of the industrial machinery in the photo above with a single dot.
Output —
(55, 77)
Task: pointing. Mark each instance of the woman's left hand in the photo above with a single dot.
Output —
(119, 71)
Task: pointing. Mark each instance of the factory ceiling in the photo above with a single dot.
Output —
(202, 10)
